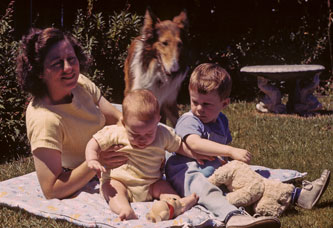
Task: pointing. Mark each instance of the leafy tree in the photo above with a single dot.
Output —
(106, 39)
(12, 99)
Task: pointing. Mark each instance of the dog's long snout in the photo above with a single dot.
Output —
(174, 66)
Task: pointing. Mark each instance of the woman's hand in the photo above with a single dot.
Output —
(111, 158)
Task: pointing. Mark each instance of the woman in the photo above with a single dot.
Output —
(65, 111)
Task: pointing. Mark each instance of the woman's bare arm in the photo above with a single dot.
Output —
(54, 181)
(111, 113)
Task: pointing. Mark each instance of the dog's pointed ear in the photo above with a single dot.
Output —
(149, 24)
(181, 20)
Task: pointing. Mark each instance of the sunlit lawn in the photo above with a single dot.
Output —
(276, 141)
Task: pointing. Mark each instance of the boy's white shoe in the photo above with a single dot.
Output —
(245, 220)
(312, 191)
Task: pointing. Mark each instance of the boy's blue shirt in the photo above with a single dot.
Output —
(217, 131)
(187, 176)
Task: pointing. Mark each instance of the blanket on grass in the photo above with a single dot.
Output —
(87, 208)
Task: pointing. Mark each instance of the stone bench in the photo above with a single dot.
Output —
(301, 82)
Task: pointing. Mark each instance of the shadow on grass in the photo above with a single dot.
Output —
(290, 211)
(327, 204)
(318, 113)
(305, 115)
(294, 210)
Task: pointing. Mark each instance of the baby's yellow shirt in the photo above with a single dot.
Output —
(143, 166)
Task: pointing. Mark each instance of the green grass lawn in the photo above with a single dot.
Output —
(276, 141)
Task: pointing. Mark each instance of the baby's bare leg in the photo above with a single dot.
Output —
(115, 194)
(163, 190)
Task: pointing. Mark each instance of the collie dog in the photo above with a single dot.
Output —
(157, 61)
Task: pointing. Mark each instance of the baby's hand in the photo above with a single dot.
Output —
(95, 165)
(242, 155)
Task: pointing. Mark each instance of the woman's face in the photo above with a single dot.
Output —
(61, 71)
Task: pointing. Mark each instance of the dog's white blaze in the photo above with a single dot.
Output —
(154, 76)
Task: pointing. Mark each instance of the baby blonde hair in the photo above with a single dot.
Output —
(208, 77)
(141, 103)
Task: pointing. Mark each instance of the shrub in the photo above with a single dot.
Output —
(304, 43)
(12, 99)
(106, 39)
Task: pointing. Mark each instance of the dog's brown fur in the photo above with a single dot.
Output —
(157, 61)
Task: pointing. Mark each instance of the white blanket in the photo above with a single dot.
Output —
(88, 208)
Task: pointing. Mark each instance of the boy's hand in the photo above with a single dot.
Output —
(241, 155)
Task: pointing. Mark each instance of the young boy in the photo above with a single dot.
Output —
(205, 130)
(145, 143)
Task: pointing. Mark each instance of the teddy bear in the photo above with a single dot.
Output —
(164, 209)
(248, 188)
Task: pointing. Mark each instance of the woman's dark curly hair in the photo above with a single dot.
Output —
(33, 50)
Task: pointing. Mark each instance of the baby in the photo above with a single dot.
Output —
(145, 142)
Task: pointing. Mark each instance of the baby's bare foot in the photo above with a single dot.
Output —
(127, 215)
(189, 201)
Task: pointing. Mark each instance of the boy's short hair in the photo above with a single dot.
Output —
(142, 103)
(208, 77)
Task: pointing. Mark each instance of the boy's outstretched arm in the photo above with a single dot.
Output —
(186, 151)
(211, 148)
